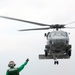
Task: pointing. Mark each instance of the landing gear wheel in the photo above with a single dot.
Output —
(69, 53)
(46, 53)
(56, 62)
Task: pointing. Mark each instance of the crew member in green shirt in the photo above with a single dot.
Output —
(13, 70)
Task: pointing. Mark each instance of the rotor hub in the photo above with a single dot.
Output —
(57, 26)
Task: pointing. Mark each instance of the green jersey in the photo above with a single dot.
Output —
(15, 71)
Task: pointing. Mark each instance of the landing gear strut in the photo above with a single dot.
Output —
(55, 60)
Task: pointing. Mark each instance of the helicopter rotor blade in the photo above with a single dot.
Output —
(36, 23)
(70, 23)
(54, 26)
(70, 27)
(35, 29)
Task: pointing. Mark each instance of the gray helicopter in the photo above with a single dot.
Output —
(57, 46)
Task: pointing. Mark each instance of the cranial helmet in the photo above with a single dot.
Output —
(11, 64)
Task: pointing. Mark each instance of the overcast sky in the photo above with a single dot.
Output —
(18, 46)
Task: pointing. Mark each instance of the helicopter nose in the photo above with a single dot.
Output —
(58, 41)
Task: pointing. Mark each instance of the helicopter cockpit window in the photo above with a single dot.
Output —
(52, 34)
(64, 34)
(58, 34)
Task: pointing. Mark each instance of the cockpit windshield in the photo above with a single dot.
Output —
(58, 33)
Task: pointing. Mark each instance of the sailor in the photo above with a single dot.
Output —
(13, 70)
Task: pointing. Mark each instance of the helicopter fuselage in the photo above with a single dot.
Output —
(57, 41)
(57, 46)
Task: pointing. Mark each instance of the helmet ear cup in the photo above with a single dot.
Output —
(9, 65)
(14, 64)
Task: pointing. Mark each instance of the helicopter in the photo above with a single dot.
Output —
(57, 46)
